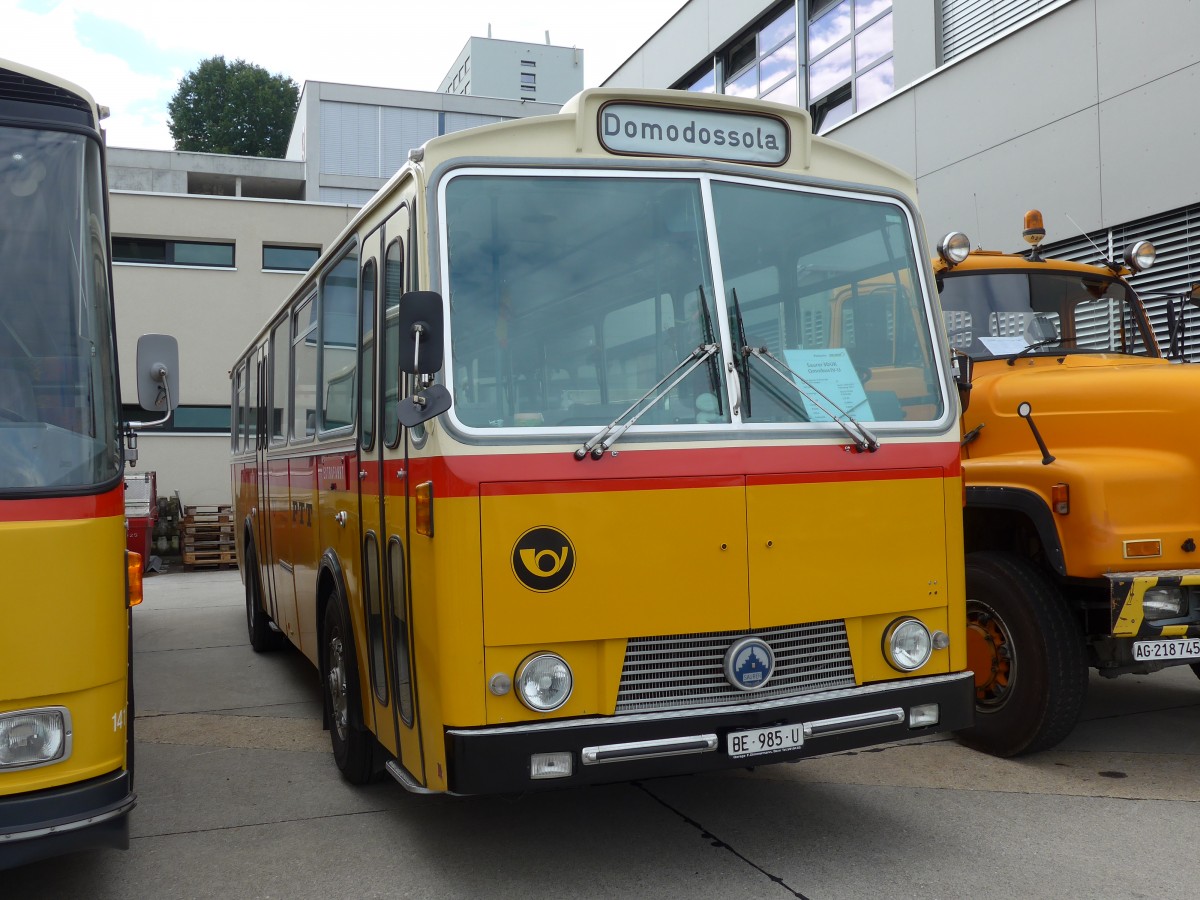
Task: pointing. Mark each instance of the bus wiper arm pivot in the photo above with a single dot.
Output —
(611, 433)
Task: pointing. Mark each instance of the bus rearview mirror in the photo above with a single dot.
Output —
(421, 330)
(158, 372)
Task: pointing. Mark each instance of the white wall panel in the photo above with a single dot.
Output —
(1139, 41)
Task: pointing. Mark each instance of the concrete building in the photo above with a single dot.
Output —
(206, 246)
(487, 67)
(1080, 108)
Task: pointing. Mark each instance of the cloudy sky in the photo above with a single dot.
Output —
(130, 54)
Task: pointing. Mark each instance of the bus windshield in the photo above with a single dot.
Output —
(58, 405)
(999, 314)
(572, 296)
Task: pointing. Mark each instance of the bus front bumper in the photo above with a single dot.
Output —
(90, 815)
(500, 759)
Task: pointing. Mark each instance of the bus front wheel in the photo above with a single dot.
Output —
(352, 744)
(1028, 656)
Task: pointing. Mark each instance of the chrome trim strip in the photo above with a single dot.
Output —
(607, 753)
(406, 780)
(129, 803)
(869, 690)
(286, 566)
(859, 722)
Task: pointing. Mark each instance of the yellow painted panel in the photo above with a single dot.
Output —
(645, 561)
(836, 550)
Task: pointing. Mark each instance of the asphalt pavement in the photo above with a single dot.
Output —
(239, 797)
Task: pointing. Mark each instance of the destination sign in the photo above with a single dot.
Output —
(645, 130)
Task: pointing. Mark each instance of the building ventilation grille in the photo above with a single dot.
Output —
(968, 23)
(685, 671)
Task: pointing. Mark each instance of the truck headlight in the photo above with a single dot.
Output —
(34, 737)
(544, 682)
(907, 644)
(1164, 603)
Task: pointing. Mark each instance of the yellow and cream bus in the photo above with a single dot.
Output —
(66, 697)
(612, 444)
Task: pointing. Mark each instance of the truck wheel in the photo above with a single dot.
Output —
(352, 744)
(262, 637)
(1028, 656)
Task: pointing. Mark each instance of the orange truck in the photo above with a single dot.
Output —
(1081, 468)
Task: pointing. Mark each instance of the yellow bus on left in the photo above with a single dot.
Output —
(66, 691)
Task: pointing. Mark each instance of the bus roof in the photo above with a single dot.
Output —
(15, 84)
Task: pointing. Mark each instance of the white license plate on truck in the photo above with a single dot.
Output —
(1179, 648)
(758, 741)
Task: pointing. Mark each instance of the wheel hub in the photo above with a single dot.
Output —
(990, 656)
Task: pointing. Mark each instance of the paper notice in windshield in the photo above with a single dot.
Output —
(1004, 346)
(832, 374)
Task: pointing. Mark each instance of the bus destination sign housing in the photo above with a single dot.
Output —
(640, 129)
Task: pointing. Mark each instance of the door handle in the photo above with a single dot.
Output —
(340, 518)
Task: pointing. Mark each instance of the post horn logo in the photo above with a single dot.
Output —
(543, 559)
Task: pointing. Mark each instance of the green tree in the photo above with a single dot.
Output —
(237, 108)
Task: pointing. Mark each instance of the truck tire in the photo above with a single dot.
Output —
(1028, 656)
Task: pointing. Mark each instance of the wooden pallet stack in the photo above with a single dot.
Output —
(206, 537)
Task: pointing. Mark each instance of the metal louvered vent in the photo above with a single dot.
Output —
(15, 86)
(968, 23)
(1176, 236)
(684, 671)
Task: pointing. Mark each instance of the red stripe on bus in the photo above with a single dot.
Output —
(541, 473)
(47, 509)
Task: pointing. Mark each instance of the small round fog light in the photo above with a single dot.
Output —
(908, 644)
(544, 682)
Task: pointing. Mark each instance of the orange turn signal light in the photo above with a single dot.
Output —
(424, 497)
(1140, 549)
(1060, 499)
(133, 578)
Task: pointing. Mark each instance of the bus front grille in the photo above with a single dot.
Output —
(682, 671)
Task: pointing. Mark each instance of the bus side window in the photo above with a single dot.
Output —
(339, 354)
(393, 287)
(304, 370)
(280, 383)
(367, 354)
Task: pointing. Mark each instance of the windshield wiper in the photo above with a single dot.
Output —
(611, 433)
(864, 439)
(1012, 360)
(742, 352)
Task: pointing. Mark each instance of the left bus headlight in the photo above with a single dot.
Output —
(544, 682)
(34, 737)
(908, 644)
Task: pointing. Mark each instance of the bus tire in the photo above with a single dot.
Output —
(353, 745)
(1028, 655)
(263, 638)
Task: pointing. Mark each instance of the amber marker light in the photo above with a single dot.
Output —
(1142, 549)
(1060, 499)
(1035, 230)
(424, 497)
(133, 578)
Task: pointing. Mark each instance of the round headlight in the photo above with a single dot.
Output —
(954, 248)
(544, 682)
(1140, 255)
(908, 644)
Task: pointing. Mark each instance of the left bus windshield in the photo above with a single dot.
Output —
(572, 296)
(58, 406)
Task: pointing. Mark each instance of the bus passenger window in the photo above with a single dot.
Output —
(339, 322)
(304, 370)
(279, 383)
(393, 287)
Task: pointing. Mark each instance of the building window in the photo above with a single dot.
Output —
(764, 62)
(850, 58)
(189, 419)
(528, 78)
(156, 252)
(529, 62)
(289, 259)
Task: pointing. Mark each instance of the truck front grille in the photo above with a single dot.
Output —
(682, 671)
